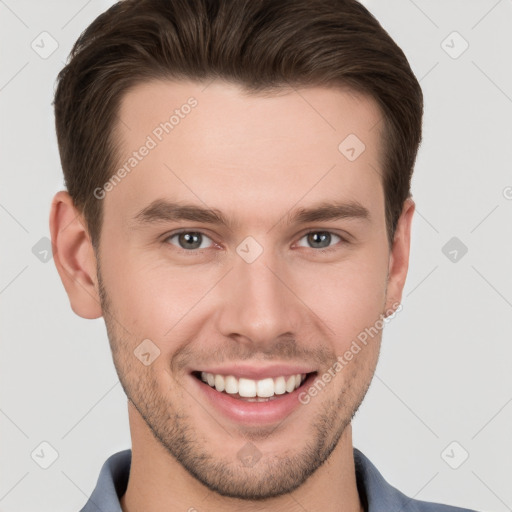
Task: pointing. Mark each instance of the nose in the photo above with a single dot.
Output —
(258, 306)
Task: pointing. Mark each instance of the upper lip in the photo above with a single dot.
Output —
(240, 370)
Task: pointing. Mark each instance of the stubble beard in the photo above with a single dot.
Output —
(272, 475)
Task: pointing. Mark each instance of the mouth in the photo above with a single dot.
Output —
(255, 390)
(252, 395)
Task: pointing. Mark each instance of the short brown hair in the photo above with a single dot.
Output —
(258, 44)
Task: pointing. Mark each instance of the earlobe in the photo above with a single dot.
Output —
(74, 256)
(399, 257)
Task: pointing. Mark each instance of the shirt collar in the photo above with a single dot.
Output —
(375, 493)
(112, 484)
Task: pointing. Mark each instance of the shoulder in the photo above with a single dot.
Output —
(111, 484)
(380, 496)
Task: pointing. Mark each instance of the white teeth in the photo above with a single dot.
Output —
(246, 387)
(290, 383)
(249, 388)
(231, 385)
(279, 386)
(265, 387)
(219, 383)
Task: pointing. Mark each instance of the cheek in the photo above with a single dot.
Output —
(156, 300)
(150, 298)
(348, 296)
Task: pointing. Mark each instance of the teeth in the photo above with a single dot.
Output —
(265, 387)
(280, 385)
(246, 387)
(219, 382)
(231, 384)
(290, 383)
(249, 388)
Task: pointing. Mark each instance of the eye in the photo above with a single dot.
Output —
(189, 240)
(320, 239)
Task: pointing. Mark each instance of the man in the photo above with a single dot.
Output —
(238, 210)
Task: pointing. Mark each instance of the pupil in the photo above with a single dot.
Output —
(188, 238)
(319, 237)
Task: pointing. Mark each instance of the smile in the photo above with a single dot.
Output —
(253, 390)
(254, 396)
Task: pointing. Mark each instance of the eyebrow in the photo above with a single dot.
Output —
(162, 210)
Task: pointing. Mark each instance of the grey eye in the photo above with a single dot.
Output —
(190, 240)
(319, 239)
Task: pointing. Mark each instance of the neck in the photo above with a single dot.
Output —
(158, 482)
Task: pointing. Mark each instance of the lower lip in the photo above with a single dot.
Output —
(251, 413)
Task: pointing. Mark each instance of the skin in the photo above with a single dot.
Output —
(256, 158)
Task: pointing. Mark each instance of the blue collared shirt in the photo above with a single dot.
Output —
(375, 493)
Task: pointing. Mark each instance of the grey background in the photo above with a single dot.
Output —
(444, 373)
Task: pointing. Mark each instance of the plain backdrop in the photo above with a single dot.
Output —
(437, 419)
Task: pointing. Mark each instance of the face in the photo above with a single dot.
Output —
(264, 291)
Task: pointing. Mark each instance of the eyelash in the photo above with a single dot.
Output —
(191, 252)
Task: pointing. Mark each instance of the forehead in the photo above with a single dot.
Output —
(219, 145)
(293, 113)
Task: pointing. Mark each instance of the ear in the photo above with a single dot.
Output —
(74, 256)
(399, 257)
